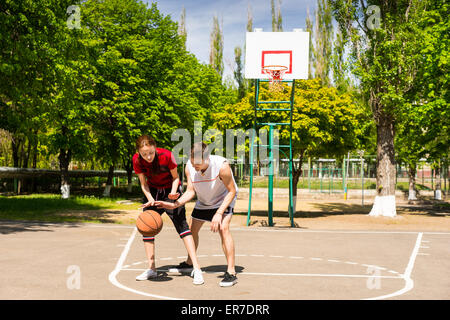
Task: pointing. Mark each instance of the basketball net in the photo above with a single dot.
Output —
(275, 74)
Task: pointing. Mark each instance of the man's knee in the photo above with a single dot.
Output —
(225, 230)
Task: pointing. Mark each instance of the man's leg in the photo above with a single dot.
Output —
(191, 248)
(195, 227)
(227, 243)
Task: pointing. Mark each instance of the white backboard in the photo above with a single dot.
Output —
(289, 49)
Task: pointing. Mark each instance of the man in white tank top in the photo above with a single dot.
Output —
(211, 178)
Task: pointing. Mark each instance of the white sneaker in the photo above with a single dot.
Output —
(147, 274)
(198, 276)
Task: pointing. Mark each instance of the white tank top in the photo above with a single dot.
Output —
(208, 186)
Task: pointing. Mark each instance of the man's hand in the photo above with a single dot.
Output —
(215, 222)
(148, 204)
(166, 205)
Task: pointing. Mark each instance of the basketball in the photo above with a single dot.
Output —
(149, 223)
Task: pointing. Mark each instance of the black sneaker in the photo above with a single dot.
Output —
(182, 267)
(228, 280)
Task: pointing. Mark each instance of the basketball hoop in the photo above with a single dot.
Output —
(275, 74)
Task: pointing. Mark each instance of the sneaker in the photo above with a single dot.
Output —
(182, 267)
(228, 280)
(147, 274)
(198, 276)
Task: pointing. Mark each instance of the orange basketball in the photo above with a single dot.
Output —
(149, 223)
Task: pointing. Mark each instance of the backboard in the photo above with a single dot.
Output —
(289, 49)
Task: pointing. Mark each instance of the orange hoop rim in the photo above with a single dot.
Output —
(275, 72)
(274, 68)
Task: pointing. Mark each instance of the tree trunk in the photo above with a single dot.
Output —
(297, 172)
(64, 161)
(107, 191)
(384, 204)
(33, 165)
(15, 143)
(412, 182)
(129, 168)
(437, 190)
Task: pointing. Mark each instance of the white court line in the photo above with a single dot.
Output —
(406, 276)
(112, 276)
(409, 283)
(290, 274)
(267, 229)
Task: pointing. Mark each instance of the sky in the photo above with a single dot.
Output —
(233, 13)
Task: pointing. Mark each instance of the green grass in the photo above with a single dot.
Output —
(50, 207)
(326, 184)
(335, 185)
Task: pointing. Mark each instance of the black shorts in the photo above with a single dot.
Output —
(208, 214)
(178, 215)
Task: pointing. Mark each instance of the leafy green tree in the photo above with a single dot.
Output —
(383, 40)
(277, 19)
(430, 90)
(325, 123)
(238, 73)
(28, 30)
(35, 42)
(216, 47)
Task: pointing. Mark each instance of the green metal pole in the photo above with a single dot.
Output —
(270, 191)
(321, 175)
(362, 181)
(291, 186)
(252, 138)
(309, 174)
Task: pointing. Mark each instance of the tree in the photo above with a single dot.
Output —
(216, 47)
(182, 24)
(430, 90)
(325, 122)
(321, 42)
(382, 52)
(238, 72)
(32, 35)
(277, 19)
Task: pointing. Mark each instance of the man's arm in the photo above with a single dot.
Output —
(227, 178)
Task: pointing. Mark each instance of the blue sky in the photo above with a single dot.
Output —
(199, 15)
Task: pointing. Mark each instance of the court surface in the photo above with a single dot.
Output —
(100, 261)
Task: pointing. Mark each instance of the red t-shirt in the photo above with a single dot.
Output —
(167, 162)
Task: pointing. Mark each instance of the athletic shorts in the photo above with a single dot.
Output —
(208, 214)
(178, 215)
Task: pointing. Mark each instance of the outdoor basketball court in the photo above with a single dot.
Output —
(100, 261)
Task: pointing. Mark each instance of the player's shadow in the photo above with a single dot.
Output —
(220, 269)
(161, 277)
